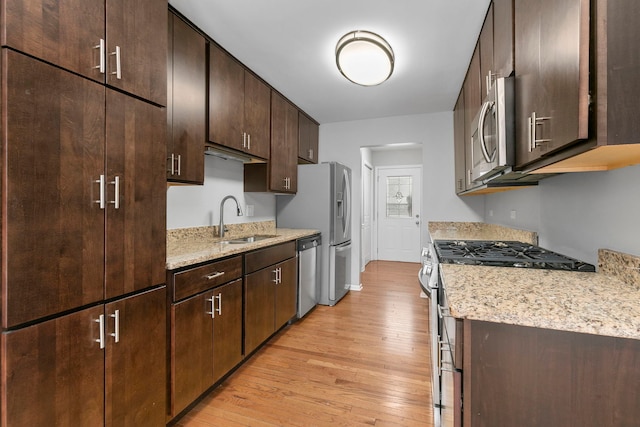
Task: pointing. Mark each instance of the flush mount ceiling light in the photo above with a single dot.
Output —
(364, 58)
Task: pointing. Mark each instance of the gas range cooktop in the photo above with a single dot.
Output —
(505, 254)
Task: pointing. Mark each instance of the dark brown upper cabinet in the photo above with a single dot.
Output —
(496, 44)
(125, 51)
(239, 106)
(552, 76)
(186, 102)
(308, 135)
(503, 35)
(473, 97)
(459, 146)
(280, 174)
(614, 131)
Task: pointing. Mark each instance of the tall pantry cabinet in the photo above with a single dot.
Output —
(83, 213)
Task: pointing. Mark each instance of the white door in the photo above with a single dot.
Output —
(398, 213)
(366, 212)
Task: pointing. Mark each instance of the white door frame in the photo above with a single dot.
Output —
(363, 261)
(374, 253)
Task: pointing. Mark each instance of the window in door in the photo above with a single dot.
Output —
(399, 195)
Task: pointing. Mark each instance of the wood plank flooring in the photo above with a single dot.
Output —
(364, 361)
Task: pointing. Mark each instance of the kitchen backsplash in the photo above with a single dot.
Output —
(445, 230)
(622, 266)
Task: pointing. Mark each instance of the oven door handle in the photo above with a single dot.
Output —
(483, 115)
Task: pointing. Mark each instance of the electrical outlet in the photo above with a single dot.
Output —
(513, 214)
(249, 210)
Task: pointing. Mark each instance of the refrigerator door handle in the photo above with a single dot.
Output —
(346, 218)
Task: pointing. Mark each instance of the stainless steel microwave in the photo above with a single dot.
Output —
(493, 132)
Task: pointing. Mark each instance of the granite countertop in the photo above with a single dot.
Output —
(594, 303)
(195, 245)
(602, 303)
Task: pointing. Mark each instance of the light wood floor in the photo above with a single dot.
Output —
(364, 361)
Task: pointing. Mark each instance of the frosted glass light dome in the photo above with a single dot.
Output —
(364, 58)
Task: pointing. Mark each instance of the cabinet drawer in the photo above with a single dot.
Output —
(189, 282)
(262, 258)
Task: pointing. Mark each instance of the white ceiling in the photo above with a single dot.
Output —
(291, 44)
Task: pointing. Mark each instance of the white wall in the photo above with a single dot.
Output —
(578, 213)
(342, 141)
(397, 157)
(199, 205)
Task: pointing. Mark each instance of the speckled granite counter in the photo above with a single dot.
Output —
(442, 230)
(190, 246)
(594, 303)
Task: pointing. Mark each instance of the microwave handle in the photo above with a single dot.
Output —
(483, 114)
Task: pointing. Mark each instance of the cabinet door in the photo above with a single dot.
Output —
(503, 37)
(136, 56)
(259, 309)
(286, 292)
(53, 138)
(527, 44)
(283, 163)
(487, 70)
(564, 72)
(187, 109)
(227, 331)
(136, 360)
(552, 70)
(307, 139)
(472, 103)
(257, 116)
(136, 226)
(226, 99)
(64, 33)
(53, 373)
(460, 144)
(191, 350)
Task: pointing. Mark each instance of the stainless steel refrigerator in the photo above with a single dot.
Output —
(323, 202)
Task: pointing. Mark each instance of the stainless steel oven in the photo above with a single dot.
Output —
(493, 132)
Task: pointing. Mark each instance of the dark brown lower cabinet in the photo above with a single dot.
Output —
(270, 293)
(524, 376)
(207, 341)
(56, 373)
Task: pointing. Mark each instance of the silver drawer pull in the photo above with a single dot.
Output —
(101, 65)
(215, 275)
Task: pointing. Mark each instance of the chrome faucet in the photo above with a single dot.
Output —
(221, 229)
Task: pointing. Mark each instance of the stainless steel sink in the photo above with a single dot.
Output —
(248, 239)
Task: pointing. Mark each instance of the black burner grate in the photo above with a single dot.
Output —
(505, 254)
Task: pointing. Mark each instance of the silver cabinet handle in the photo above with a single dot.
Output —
(172, 161)
(100, 321)
(101, 182)
(219, 298)
(211, 313)
(215, 275)
(249, 141)
(311, 153)
(244, 140)
(533, 121)
(179, 164)
(116, 192)
(118, 71)
(275, 273)
(100, 66)
(116, 325)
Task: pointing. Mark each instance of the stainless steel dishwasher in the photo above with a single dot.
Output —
(309, 254)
